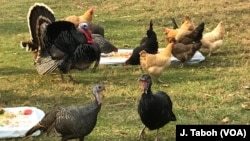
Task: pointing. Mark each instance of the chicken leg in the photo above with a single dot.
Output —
(181, 65)
(158, 80)
(71, 78)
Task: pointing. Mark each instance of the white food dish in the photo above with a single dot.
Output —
(110, 59)
(20, 124)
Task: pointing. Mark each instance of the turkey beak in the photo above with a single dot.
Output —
(144, 86)
(99, 98)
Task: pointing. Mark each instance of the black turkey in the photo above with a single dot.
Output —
(59, 44)
(149, 44)
(155, 110)
(72, 122)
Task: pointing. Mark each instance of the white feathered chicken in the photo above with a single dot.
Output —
(59, 44)
(214, 40)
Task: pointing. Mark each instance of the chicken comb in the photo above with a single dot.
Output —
(91, 10)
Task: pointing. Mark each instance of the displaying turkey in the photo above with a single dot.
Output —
(155, 110)
(46, 16)
(72, 122)
(59, 44)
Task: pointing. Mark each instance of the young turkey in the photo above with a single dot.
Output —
(74, 122)
(155, 110)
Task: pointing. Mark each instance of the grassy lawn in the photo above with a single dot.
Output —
(204, 93)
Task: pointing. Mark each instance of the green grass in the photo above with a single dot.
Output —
(204, 93)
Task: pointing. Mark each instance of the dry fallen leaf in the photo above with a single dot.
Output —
(208, 95)
(226, 119)
(165, 85)
(246, 87)
(245, 106)
(230, 95)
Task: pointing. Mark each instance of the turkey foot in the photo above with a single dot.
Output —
(142, 133)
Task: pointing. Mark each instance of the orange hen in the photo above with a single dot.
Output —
(186, 28)
(155, 64)
(86, 17)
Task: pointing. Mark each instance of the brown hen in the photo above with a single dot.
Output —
(185, 52)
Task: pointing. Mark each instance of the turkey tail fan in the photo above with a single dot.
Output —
(46, 65)
(29, 45)
(39, 16)
(33, 129)
(46, 124)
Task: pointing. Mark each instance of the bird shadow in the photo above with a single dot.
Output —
(5, 71)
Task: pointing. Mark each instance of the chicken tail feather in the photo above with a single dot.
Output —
(151, 25)
(197, 46)
(175, 26)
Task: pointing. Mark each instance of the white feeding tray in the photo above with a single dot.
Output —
(123, 54)
(16, 121)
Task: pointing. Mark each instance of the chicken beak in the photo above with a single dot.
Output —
(165, 30)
